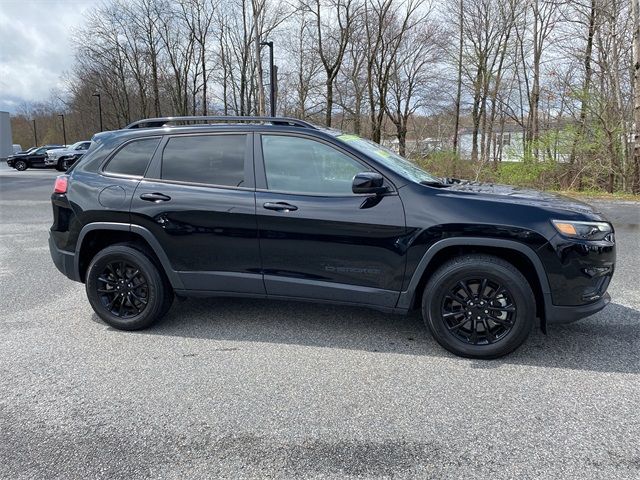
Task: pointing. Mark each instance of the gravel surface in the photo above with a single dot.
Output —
(231, 388)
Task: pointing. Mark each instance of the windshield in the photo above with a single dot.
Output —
(389, 159)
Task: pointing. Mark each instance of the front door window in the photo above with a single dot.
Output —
(301, 165)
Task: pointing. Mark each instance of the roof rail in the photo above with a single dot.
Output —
(162, 121)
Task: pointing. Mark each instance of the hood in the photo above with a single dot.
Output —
(522, 196)
(56, 152)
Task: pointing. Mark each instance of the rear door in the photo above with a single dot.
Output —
(198, 200)
(319, 240)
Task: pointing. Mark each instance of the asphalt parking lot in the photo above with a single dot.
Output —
(231, 388)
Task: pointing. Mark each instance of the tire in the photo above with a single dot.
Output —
(454, 306)
(106, 277)
(60, 166)
(20, 165)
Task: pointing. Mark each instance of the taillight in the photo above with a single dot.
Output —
(61, 184)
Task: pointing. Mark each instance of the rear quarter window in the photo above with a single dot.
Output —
(132, 159)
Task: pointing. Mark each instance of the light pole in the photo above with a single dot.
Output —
(64, 130)
(99, 108)
(272, 79)
(35, 133)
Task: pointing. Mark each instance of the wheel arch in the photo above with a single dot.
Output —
(521, 256)
(95, 236)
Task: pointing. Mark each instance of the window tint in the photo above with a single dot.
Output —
(214, 159)
(133, 158)
(295, 164)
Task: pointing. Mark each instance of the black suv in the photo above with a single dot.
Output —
(279, 208)
(31, 158)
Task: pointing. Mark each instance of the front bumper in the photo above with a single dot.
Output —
(50, 162)
(558, 314)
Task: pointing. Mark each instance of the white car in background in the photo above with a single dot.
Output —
(62, 158)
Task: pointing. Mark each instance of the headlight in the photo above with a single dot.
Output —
(583, 230)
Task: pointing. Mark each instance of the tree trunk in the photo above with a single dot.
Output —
(475, 115)
(635, 183)
(586, 87)
(456, 125)
(327, 117)
(258, 6)
(203, 61)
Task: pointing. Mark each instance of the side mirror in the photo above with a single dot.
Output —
(369, 182)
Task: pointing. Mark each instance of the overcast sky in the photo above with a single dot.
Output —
(34, 47)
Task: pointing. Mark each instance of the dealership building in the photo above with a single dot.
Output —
(6, 145)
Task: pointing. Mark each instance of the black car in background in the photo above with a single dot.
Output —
(279, 208)
(33, 158)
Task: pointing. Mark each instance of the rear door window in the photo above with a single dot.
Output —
(210, 159)
(133, 158)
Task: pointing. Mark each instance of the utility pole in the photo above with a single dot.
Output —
(272, 79)
(64, 130)
(99, 109)
(35, 134)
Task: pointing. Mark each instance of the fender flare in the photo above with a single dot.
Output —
(406, 298)
(152, 241)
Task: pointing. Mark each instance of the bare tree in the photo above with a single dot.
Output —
(636, 97)
(332, 41)
(198, 16)
(408, 77)
(386, 24)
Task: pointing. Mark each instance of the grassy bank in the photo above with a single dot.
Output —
(580, 181)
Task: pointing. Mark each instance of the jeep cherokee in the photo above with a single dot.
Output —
(279, 208)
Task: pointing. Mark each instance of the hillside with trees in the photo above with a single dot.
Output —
(452, 84)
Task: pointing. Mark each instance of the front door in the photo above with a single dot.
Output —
(317, 239)
(198, 200)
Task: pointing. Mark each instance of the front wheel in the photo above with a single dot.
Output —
(126, 288)
(479, 306)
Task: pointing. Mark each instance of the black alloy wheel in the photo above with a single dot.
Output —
(123, 289)
(478, 306)
(127, 287)
(479, 311)
(20, 165)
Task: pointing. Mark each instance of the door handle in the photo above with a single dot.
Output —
(280, 206)
(155, 197)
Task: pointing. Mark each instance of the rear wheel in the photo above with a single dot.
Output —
(479, 306)
(126, 288)
(20, 165)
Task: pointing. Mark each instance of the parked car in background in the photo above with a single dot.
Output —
(17, 148)
(31, 159)
(62, 158)
(28, 150)
(280, 208)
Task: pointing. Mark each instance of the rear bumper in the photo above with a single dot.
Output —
(63, 260)
(556, 314)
